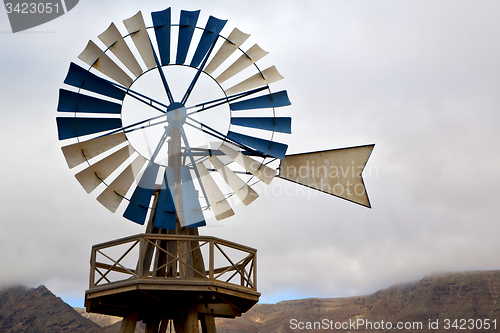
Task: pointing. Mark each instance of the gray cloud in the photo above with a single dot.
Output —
(420, 79)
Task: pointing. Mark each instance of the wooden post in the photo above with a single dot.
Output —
(92, 267)
(254, 272)
(171, 269)
(211, 261)
(187, 321)
(147, 250)
(152, 326)
(175, 162)
(208, 324)
(197, 256)
(164, 325)
(129, 322)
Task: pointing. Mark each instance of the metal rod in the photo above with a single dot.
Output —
(131, 93)
(161, 142)
(146, 126)
(132, 125)
(197, 76)
(225, 100)
(162, 74)
(225, 138)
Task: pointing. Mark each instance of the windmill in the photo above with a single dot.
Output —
(178, 123)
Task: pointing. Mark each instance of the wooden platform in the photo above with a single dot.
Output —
(226, 290)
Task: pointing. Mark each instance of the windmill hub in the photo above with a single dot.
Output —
(176, 114)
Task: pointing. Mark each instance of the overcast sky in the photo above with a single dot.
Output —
(420, 79)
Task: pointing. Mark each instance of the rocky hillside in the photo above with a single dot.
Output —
(38, 310)
(101, 320)
(437, 303)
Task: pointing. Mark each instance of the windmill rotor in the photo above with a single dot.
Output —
(111, 107)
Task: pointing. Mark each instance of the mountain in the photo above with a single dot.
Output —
(37, 310)
(101, 320)
(436, 303)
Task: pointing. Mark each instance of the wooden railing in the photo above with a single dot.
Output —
(127, 259)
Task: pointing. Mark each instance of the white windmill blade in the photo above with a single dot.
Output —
(113, 195)
(336, 172)
(193, 215)
(254, 54)
(259, 170)
(137, 30)
(113, 40)
(187, 205)
(80, 152)
(95, 57)
(175, 193)
(267, 76)
(93, 176)
(232, 43)
(244, 192)
(218, 202)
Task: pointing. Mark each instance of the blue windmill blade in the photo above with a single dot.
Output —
(193, 215)
(274, 100)
(70, 101)
(263, 146)
(209, 38)
(73, 127)
(277, 124)
(138, 207)
(186, 29)
(162, 25)
(82, 78)
(165, 210)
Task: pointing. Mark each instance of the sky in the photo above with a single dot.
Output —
(417, 78)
